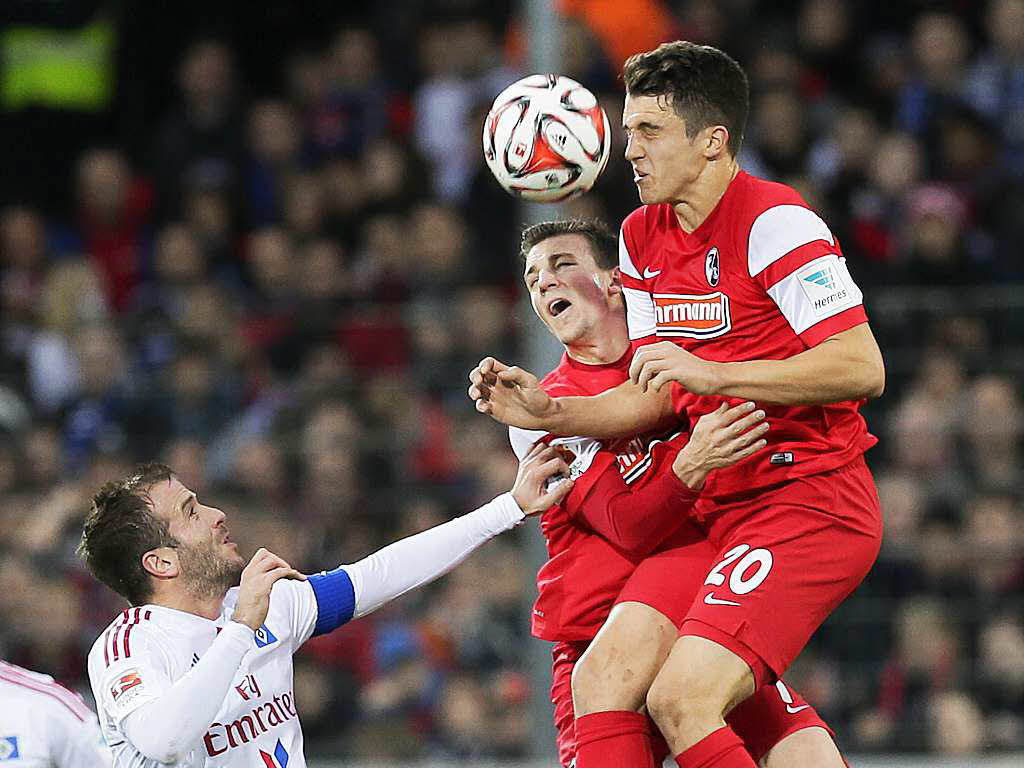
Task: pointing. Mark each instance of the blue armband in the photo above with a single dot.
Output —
(335, 599)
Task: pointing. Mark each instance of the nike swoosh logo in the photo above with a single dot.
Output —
(649, 273)
(793, 710)
(710, 599)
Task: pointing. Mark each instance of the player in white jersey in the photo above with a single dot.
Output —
(198, 672)
(44, 725)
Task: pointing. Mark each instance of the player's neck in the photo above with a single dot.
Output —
(208, 607)
(700, 199)
(600, 350)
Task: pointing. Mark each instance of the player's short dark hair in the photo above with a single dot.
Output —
(707, 86)
(121, 527)
(603, 244)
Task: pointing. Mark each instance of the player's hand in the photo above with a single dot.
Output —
(654, 365)
(532, 491)
(720, 439)
(509, 394)
(258, 579)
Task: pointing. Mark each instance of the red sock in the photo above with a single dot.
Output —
(613, 740)
(721, 749)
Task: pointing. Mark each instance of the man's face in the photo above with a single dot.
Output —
(209, 561)
(665, 162)
(570, 294)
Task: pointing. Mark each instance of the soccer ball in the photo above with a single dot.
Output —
(546, 138)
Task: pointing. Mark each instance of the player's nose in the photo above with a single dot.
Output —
(218, 517)
(546, 279)
(632, 151)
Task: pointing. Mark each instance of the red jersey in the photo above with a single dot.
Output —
(762, 278)
(625, 503)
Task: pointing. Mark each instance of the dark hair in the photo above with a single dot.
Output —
(603, 244)
(707, 86)
(121, 527)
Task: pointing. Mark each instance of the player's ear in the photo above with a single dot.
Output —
(716, 143)
(615, 282)
(161, 563)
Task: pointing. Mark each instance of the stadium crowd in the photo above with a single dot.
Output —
(279, 292)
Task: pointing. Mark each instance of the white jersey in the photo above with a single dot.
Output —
(44, 725)
(148, 648)
(174, 688)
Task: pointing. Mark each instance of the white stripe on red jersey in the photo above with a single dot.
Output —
(779, 230)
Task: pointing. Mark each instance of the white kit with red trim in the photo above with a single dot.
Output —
(44, 725)
(147, 648)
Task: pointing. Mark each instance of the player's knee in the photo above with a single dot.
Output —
(586, 685)
(806, 747)
(665, 707)
(674, 703)
(596, 688)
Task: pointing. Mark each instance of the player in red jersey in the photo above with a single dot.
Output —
(628, 499)
(749, 284)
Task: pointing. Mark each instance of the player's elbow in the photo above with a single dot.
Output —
(154, 741)
(166, 754)
(873, 374)
(636, 545)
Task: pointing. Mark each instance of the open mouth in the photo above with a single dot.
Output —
(558, 306)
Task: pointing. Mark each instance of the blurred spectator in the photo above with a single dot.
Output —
(458, 59)
(273, 144)
(994, 82)
(939, 49)
(199, 142)
(111, 219)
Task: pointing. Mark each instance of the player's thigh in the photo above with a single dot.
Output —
(621, 662)
(807, 748)
(669, 579)
(699, 678)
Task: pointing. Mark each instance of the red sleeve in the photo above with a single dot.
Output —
(635, 518)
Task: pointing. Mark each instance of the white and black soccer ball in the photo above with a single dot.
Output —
(546, 138)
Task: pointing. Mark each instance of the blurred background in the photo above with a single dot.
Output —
(262, 246)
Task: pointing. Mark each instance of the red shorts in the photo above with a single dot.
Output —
(786, 556)
(564, 657)
(762, 721)
(669, 580)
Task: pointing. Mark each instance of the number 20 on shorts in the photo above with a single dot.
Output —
(740, 582)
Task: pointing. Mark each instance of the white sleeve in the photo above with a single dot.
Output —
(640, 314)
(77, 743)
(418, 560)
(294, 599)
(168, 725)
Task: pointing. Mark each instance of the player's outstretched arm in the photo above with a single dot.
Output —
(514, 397)
(170, 724)
(417, 560)
(846, 366)
(637, 518)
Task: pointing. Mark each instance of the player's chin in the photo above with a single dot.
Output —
(232, 554)
(645, 190)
